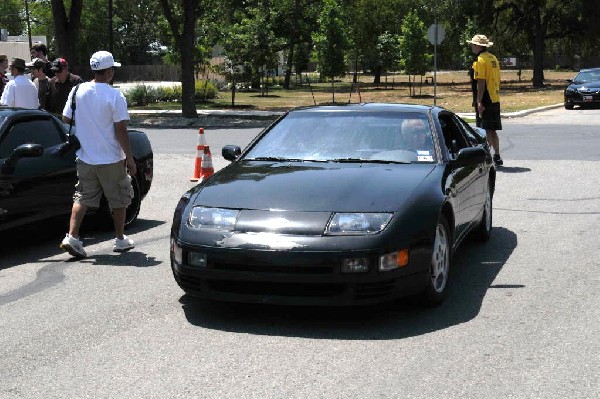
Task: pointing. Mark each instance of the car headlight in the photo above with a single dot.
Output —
(570, 91)
(357, 223)
(212, 218)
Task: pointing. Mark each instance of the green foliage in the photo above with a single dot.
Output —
(414, 45)
(12, 17)
(331, 40)
(388, 48)
(205, 90)
(141, 95)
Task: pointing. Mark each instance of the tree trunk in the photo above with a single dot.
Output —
(66, 28)
(377, 74)
(288, 71)
(539, 47)
(185, 40)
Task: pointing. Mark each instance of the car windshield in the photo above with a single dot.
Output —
(587, 76)
(344, 136)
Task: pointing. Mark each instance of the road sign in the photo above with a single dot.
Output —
(431, 34)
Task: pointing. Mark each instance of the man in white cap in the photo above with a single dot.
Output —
(485, 78)
(104, 159)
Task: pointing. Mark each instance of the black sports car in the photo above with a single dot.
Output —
(337, 205)
(37, 169)
(584, 89)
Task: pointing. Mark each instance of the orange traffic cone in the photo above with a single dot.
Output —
(207, 169)
(199, 154)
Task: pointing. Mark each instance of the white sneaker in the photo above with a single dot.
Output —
(73, 246)
(123, 245)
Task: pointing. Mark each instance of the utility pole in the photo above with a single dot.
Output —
(28, 23)
(110, 26)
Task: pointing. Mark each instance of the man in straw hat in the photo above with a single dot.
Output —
(485, 80)
(19, 92)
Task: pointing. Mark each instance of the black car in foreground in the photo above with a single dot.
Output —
(38, 174)
(584, 89)
(337, 205)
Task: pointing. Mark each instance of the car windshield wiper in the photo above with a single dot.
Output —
(363, 160)
(276, 159)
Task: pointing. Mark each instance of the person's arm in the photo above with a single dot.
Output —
(43, 91)
(123, 139)
(8, 95)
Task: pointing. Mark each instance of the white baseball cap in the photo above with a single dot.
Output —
(103, 60)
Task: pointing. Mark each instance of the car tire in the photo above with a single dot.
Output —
(484, 229)
(439, 270)
(569, 106)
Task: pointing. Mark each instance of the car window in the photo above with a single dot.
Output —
(473, 138)
(587, 76)
(339, 135)
(38, 131)
(452, 133)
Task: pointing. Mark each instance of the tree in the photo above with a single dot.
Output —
(184, 34)
(388, 48)
(330, 42)
(12, 17)
(414, 44)
(66, 26)
(294, 21)
(541, 20)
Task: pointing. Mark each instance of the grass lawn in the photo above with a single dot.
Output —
(453, 92)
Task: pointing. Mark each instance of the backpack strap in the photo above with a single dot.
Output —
(73, 107)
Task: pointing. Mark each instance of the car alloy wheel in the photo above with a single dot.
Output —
(440, 260)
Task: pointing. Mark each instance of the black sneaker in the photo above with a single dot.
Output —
(497, 160)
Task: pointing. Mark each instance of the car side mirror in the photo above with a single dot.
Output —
(22, 151)
(470, 156)
(231, 152)
(569, 81)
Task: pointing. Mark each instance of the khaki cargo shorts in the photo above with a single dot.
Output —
(111, 180)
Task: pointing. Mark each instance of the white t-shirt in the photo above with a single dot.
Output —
(20, 92)
(98, 106)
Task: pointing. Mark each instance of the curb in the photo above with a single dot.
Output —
(249, 119)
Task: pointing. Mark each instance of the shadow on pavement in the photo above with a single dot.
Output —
(475, 268)
(29, 244)
(512, 169)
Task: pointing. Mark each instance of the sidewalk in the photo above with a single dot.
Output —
(248, 119)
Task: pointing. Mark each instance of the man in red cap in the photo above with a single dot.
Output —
(60, 86)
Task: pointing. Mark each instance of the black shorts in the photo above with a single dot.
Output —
(490, 118)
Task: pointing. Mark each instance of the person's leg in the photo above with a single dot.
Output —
(118, 215)
(493, 140)
(77, 213)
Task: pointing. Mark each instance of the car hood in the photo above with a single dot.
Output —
(312, 186)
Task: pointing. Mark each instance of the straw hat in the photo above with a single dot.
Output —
(480, 40)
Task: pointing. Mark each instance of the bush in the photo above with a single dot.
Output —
(205, 90)
(142, 95)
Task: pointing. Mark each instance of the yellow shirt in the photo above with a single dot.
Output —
(487, 67)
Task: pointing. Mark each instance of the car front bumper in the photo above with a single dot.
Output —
(298, 277)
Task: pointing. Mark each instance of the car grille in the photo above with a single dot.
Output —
(374, 290)
(287, 269)
(278, 289)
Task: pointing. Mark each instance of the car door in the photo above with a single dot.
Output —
(38, 187)
(480, 185)
(461, 183)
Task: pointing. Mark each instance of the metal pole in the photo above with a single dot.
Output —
(110, 26)
(28, 23)
(435, 36)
